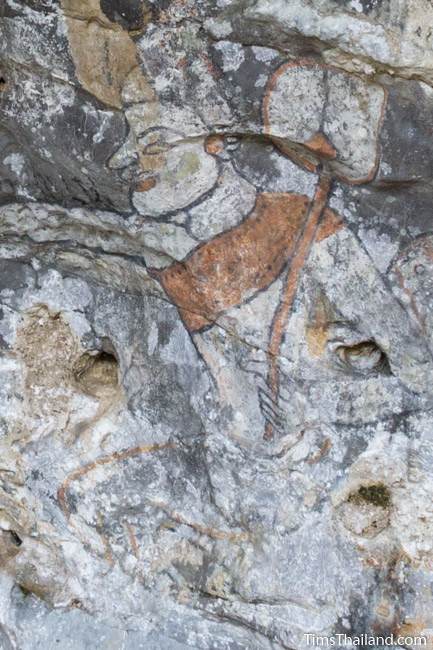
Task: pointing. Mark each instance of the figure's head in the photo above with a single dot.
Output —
(317, 115)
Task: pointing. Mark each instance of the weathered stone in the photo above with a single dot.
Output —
(216, 350)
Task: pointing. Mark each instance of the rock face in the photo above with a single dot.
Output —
(216, 317)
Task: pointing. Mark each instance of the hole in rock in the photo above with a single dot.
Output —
(10, 543)
(75, 602)
(364, 358)
(97, 373)
(15, 538)
(2, 83)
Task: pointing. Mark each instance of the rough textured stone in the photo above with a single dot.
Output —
(216, 316)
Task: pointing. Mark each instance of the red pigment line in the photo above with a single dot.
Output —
(115, 457)
(284, 308)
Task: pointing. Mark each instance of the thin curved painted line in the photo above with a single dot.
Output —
(288, 295)
(116, 456)
(311, 63)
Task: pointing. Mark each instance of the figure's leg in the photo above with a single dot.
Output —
(284, 308)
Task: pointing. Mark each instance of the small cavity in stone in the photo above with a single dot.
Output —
(96, 372)
(16, 539)
(364, 358)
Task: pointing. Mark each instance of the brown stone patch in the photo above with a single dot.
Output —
(316, 331)
(316, 338)
(103, 53)
(103, 59)
(238, 263)
(48, 348)
(85, 10)
(57, 372)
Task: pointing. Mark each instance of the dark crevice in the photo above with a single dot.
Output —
(364, 358)
(15, 538)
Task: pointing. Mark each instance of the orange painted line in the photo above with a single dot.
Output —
(115, 457)
(132, 539)
(409, 294)
(270, 86)
(324, 449)
(285, 305)
(213, 533)
(298, 157)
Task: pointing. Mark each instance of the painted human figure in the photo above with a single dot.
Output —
(337, 383)
(268, 239)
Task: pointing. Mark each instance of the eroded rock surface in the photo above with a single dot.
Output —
(216, 352)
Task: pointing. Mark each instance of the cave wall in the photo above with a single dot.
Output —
(216, 281)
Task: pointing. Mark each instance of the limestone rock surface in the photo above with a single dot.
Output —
(216, 323)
